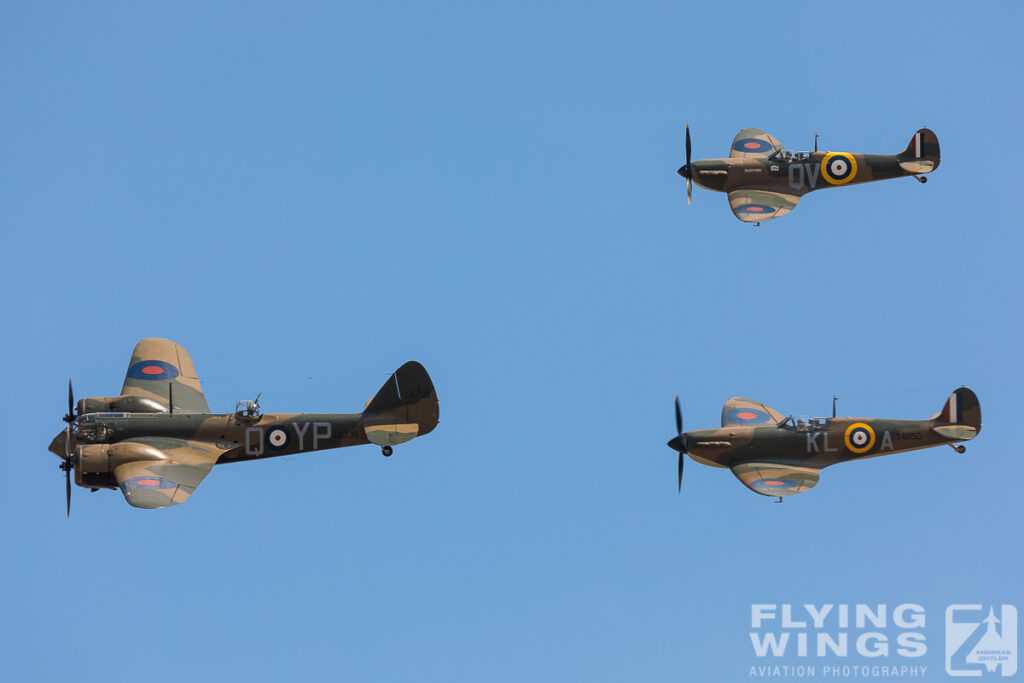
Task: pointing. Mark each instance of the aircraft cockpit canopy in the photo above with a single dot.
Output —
(787, 156)
(802, 423)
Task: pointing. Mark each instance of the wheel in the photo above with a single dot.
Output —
(960, 449)
(387, 451)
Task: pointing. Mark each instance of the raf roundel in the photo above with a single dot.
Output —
(752, 146)
(277, 438)
(147, 482)
(859, 437)
(746, 416)
(773, 483)
(838, 168)
(152, 369)
(755, 209)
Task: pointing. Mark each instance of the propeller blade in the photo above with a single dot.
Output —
(71, 404)
(686, 170)
(682, 442)
(67, 488)
(66, 466)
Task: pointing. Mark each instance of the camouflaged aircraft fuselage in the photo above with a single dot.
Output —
(231, 437)
(158, 439)
(796, 174)
(764, 181)
(777, 456)
(819, 443)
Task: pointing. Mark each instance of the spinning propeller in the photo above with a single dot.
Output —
(687, 171)
(679, 442)
(68, 464)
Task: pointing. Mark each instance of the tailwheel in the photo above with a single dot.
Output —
(958, 448)
(386, 451)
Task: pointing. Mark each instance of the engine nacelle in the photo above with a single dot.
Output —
(97, 462)
(120, 404)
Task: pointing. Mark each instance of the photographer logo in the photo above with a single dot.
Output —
(981, 640)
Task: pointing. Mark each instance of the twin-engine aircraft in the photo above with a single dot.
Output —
(780, 456)
(158, 439)
(766, 181)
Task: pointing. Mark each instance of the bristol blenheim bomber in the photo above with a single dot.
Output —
(780, 456)
(766, 181)
(158, 439)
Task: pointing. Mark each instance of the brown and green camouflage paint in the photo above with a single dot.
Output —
(778, 456)
(765, 181)
(158, 439)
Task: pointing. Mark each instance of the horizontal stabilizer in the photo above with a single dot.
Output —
(963, 432)
(391, 434)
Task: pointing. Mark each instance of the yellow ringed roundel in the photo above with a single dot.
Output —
(859, 437)
(838, 168)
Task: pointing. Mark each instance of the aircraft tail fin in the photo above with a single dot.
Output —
(404, 408)
(922, 154)
(960, 417)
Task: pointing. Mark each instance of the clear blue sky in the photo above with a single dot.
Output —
(307, 195)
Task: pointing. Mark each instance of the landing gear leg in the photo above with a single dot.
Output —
(386, 451)
(958, 448)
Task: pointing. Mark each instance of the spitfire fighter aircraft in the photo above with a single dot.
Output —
(766, 181)
(158, 439)
(780, 456)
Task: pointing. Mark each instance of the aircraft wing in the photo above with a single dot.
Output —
(751, 143)
(754, 206)
(168, 470)
(163, 370)
(772, 479)
(739, 410)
